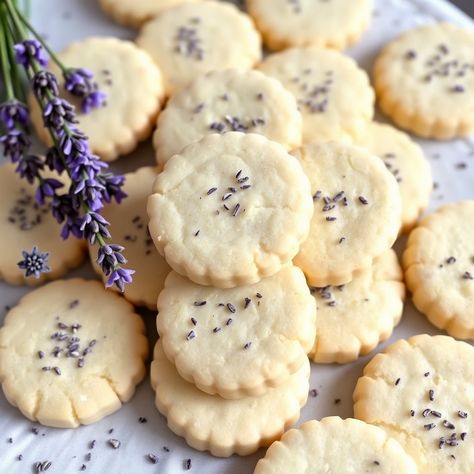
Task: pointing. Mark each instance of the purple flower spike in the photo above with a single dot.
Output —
(94, 100)
(120, 278)
(29, 167)
(34, 263)
(44, 82)
(13, 113)
(29, 50)
(93, 223)
(57, 112)
(78, 82)
(15, 144)
(112, 187)
(47, 188)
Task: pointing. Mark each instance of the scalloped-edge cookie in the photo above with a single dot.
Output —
(226, 427)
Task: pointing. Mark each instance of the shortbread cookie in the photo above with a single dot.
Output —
(195, 38)
(224, 427)
(126, 118)
(333, 445)
(129, 226)
(405, 160)
(298, 23)
(354, 318)
(420, 391)
(230, 209)
(237, 342)
(71, 353)
(223, 101)
(26, 224)
(439, 268)
(356, 212)
(333, 93)
(425, 81)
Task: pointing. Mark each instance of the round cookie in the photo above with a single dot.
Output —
(241, 341)
(195, 38)
(424, 81)
(333, 445)
(420, 391)
(230, 209)
(405, 160)
(230, 100)
(117, 127)
(298, 23)
(71, 353)
(354, 318)
(439, 268)
(356, 212)
(129, 226)
(224, 427)
(333, 93)
(26, 224)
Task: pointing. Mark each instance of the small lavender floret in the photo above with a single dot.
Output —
(29, 50)
(34, 263)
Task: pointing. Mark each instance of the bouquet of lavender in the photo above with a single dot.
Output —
(77, 208)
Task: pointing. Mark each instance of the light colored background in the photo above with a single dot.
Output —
(63, 21)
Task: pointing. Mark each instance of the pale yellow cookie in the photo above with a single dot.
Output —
(354, 318)
(26, 224)
(241, 341)
(224, 427)
(230, 100)
(439, 268)
(71, 353)
(129, 226)
(195, 38)
(336, 446)
(134, 94)
(296, 23)
(230, 209)
(356, 212)
(424, 81)
(420, 391)
(405, 160)
(333, 93)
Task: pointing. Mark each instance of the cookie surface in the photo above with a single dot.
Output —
(354, 318)
(424, 81)
(230, 100)
(224, 427)
(195, 38)
(230, 209)
(356, 212)
(71, 353)
(117, 127)
(439, 268)
(420, 392)
(405, 160)
(333, 93)
(296, 23)
(241, 341)
(26, 224)
(333, 445)
(129, 226)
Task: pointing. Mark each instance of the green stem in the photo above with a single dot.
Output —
(6, 67)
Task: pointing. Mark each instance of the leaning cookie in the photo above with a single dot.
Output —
(439, 268)
(71, 353)
(224, 427)
(26, 224)
(424, 81)
(230, 100)
(127, 118)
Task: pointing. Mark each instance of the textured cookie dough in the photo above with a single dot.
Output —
(241, 341)
(129, 226)
(439, 268)
(195, 38)
(405, 160)
(337, 446)
(71, 353)
(356, 212)
(230, 100)
(333, 93)
(420, 391)
(230, 209)
(224, 427)
(297, 23)
(26, 224)
(127, 118)
(354, 318)
(424, 81)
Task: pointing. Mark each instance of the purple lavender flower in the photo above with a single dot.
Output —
(57, 112)
(44, 82)
(28, 50)
(93, 224)
(79, 82)
(112, 185)
(34, 263)
(13, 113)
(47, 188)
(53, 160)
(109, 256)
(93, 100)
(15, 144)
(120, 278)
(72, 226)
(29, 167)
